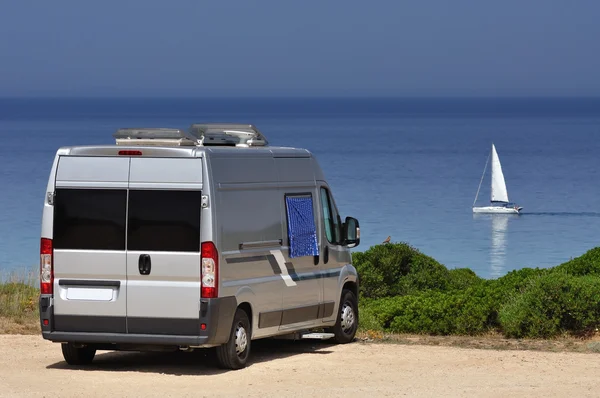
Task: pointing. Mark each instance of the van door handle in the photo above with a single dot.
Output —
(144, 264)
(325, 254)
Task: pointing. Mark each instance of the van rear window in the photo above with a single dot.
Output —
(91, 219)
(161, 220)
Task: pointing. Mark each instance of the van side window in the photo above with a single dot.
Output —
(302, 230)
(89, 219)
(330, 218)
(161, 220)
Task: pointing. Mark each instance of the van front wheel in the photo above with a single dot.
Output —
(347, 321)
(234, 354)
(78, 355)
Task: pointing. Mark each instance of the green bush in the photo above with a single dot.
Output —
(405, 291)
(462, 278)
(553, 304)
(398, 269)
(470, 311)
(587, 264)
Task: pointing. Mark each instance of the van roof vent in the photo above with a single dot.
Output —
(241, 135)
(206, 134)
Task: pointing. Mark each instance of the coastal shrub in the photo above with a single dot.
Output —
(471, 311)
(395, 269)
(405, 291)
(586, 264)
(553, 304)
(462, 278)
(517, 280)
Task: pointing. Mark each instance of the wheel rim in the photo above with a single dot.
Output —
(241, 339)
(348, 318)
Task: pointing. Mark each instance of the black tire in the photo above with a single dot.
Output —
(78, 356)
(347, 321)
(227, 354)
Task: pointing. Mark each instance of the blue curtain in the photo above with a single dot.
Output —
(301, 226)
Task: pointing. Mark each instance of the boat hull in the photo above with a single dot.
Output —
(497, 210)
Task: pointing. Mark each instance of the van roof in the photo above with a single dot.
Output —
(215, 138)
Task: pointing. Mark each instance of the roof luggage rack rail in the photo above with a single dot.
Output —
(154, 137)
(199, 134)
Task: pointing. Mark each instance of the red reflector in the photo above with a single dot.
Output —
(203, 326)
(130, 153)
(46, 322)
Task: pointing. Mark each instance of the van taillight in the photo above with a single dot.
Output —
(209, 270)
(46, 266)
(130, 153)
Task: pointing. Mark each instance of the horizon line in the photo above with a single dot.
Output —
(337, 97)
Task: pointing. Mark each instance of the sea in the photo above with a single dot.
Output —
(407, 168)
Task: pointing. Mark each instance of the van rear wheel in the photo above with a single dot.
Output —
(78, 355)
(234, 354)
(347, 320)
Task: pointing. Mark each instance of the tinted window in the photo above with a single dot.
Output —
(92, 219)
(330, 218)
(164, 220)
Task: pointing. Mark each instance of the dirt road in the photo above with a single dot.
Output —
(32, 367)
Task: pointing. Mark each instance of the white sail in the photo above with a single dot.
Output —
(499, 192)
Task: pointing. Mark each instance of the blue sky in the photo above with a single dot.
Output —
(302, 48)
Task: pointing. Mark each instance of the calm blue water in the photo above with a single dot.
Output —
(405, 168)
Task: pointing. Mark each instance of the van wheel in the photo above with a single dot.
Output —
(234, 354)
(78, 355)
(347, 322)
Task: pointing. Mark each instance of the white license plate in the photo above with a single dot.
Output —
(89, 293)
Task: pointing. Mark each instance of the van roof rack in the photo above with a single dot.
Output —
(154, 137)
(199, 134)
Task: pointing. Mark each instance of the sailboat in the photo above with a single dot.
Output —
(499, 202)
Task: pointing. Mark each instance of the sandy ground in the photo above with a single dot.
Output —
(32, 367)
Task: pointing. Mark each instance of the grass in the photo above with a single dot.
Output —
(19, 313)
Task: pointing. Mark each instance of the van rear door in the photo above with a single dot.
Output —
(90, 282)
(163, 246)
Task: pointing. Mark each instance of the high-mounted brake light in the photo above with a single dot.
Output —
(130, 153)
(209, 270)
(46, 266)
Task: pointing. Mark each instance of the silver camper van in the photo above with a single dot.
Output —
(206, 237)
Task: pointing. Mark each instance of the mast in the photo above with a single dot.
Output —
(482, 175)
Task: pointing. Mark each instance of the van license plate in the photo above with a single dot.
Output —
(92, 294)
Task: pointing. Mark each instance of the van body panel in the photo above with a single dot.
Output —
(169, 172)
(171, 293)
(249, 231)
(302, 296)
(88, 231)
(87, 273)
(92, 171)
(338, 255)
(163, 246)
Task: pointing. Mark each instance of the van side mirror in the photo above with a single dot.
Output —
(351, 232)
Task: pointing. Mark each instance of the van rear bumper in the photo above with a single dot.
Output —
(122, 338)
(216, 314)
